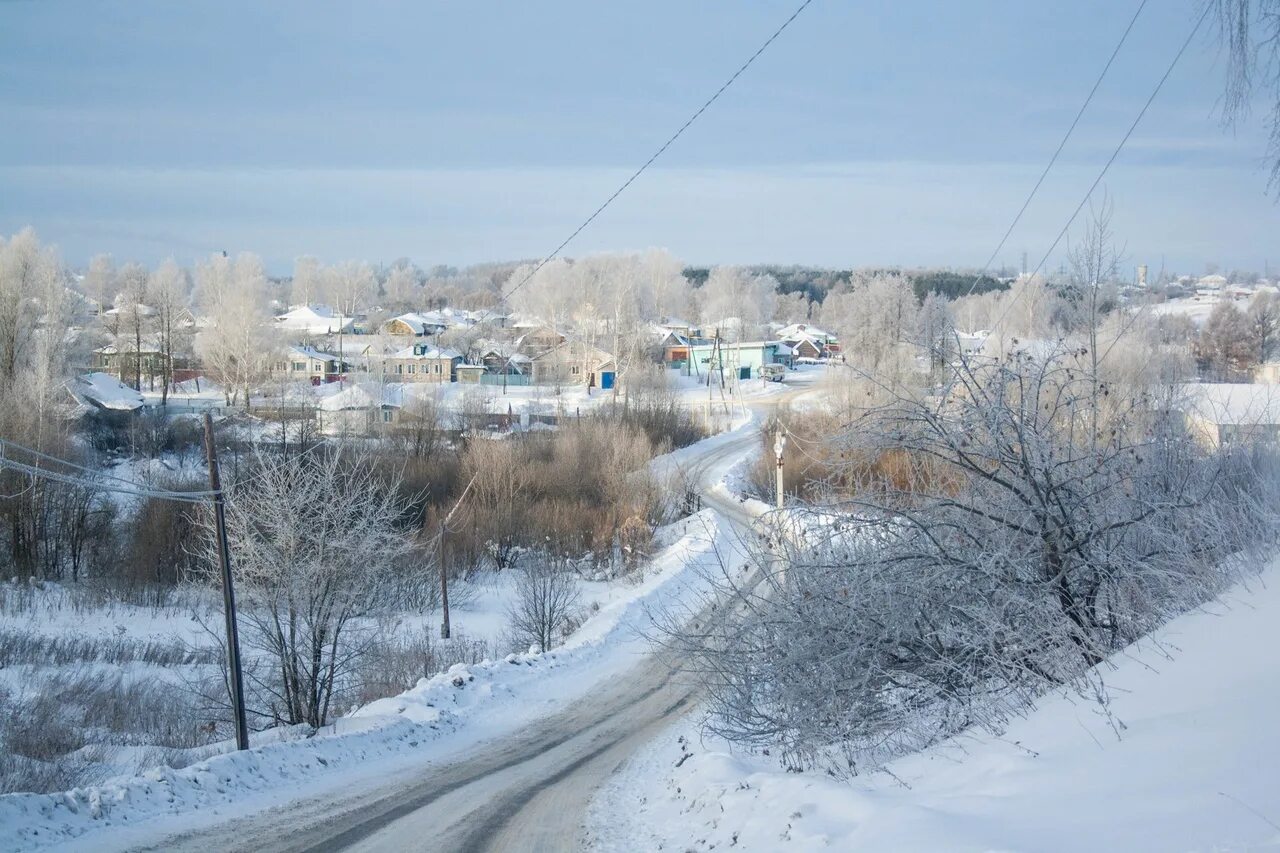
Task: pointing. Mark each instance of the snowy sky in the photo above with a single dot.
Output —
(452, 132)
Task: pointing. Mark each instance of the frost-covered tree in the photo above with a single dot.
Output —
(134, 315)
(45, 527)
(307, 286)
(171, 298)
(100, 283)
(1264, 325)
(350, 286)
(314, 537)
(669, 289)
(992, 550)
(935, 330)
(877, 325)
(238, 345)
(1225, 345)
(403, 289)
(737, 300)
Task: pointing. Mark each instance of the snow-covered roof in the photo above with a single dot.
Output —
(106, 392)
(739, 344)
(313, 320)
(419, 322)
(364, 396)
(429, 353)
(1238, 404)
(514, 358)
(803, 330)
(116, 349)
(663, 333)
(143, 310)
(312, 352)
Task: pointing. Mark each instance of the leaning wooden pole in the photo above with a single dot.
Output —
(236, 678)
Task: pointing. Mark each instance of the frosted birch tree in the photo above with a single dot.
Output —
(170, 295)
(238, 345)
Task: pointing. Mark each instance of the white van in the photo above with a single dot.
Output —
(773, 372)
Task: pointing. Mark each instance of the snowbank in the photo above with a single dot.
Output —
(1189, 760)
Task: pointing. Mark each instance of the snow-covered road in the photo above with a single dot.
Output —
(524, 791)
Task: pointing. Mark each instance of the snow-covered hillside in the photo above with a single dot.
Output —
(440, 718)
(1189, 760)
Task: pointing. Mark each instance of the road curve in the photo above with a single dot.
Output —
(526, 792)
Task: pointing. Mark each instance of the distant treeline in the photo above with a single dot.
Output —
(817, 282)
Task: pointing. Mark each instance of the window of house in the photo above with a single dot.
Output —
(386, 416)
(413, 368)
(574, 370)
(399, 368)
(437, 368)
(299, 366)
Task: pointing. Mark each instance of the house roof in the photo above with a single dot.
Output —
(312, 352)
(803, 330)
(513, 357)
(1235, 404)
(106, 392)
(365, 396)
(313, 319)
(599, 356)
(794, 341)
(419, 322)
(740, 345)
(430, 353)
(148, 346)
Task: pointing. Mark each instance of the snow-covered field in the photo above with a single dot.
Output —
(1187, 759)
(1195, 308)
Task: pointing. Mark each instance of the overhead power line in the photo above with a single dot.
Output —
(72, 480)
(638, 172)
(1058, 151)
(1114, 154)
(88, 476)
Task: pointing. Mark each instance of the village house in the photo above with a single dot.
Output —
(307, 364)
(416, 325)
(538, 340)
(809, 341)
(741, 358)
(683, 328)
(806, 347)
(498, 361)
(574, 363)
(422, 363)
(123, 358)
(1220, 413)
(361, 408)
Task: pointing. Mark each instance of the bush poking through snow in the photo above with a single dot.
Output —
(546, 599)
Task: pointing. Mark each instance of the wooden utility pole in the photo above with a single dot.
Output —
(444, 575)
(235, 677)
(444, 584)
